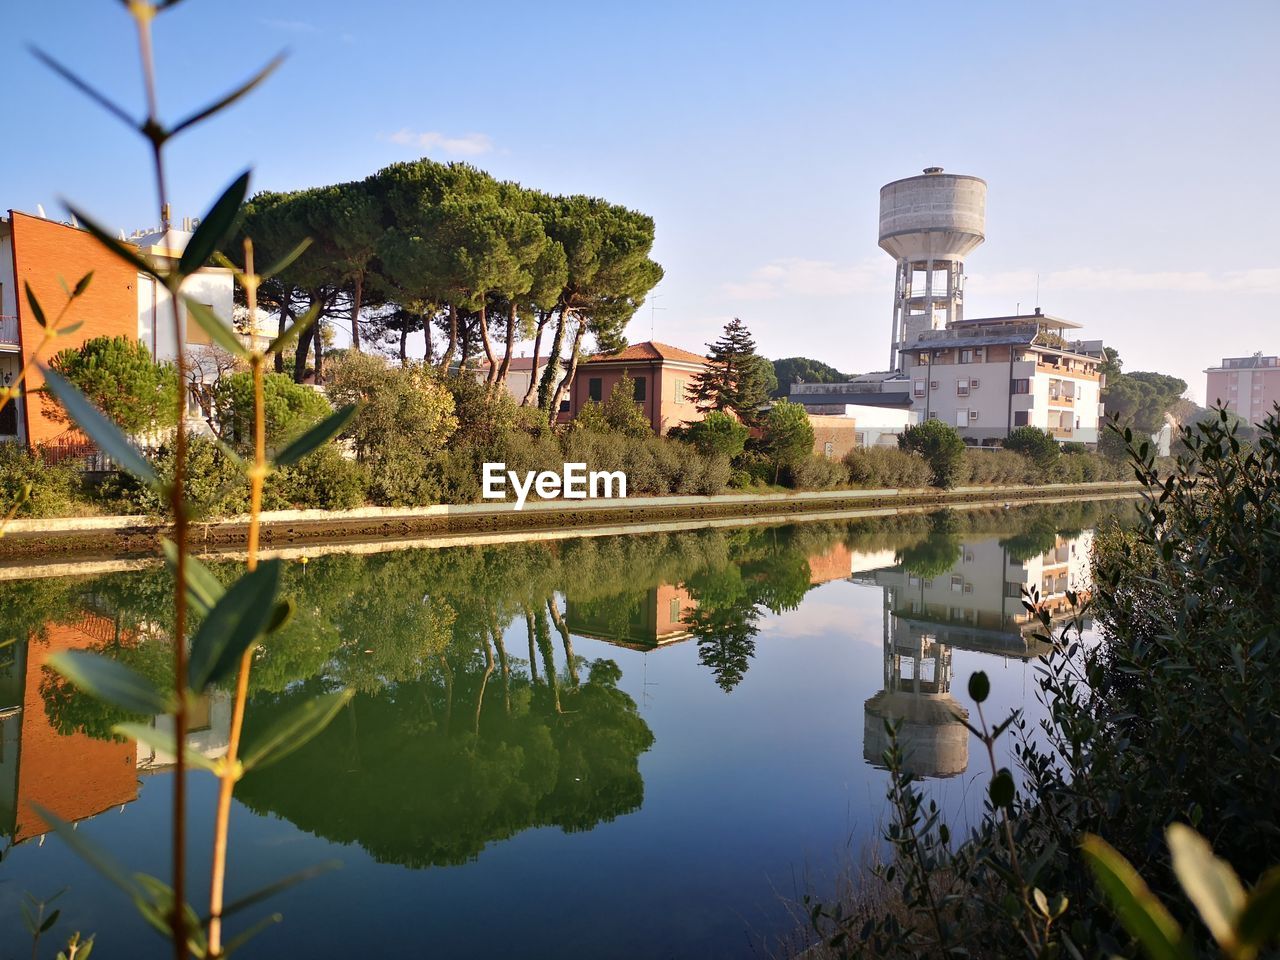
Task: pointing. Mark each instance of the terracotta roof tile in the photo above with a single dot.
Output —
(648, 350)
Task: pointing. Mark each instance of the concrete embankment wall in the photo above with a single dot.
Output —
(62, 545)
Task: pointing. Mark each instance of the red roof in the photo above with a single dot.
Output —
(648, 350)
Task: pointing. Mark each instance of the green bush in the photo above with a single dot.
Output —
(121, 379)
(940, 446)
(1035, 444)
(999, 468)
(323, 480)
(215, 485)
(717, 433)
(886, 467)
(289, 409)
(818, 473)
(786, 436)
(45, 491)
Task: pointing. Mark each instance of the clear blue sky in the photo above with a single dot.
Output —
(1130, 148)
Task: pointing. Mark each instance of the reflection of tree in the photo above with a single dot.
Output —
(724, 623)
(392, 778)
(937, 552)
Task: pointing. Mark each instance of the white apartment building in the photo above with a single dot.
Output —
(987, 377)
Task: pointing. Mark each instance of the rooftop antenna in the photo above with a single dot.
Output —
(1037, 291)
(653, 309)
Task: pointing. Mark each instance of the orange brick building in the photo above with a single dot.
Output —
(46, 255)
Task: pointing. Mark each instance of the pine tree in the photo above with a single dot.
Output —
(734, 378)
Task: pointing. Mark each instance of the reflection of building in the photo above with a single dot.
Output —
(73, 774)
(974, 605)
(657, 620)
(834, 563)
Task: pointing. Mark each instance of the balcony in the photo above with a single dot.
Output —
(8, 331)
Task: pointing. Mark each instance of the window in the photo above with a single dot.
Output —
(962, 387)
(957, 584)
(1020, 386)
(675, 609)
(681, 390)
(1020, 418)
(962, 417)
(918, 388)
(564, 405)
(933, 384)
(641, 390)
(973, 415)
(1013, 590)
(974, 384)
(595, 389)
(966, 356)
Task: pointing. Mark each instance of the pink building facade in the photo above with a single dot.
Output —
(1249, 386)
(662, 375)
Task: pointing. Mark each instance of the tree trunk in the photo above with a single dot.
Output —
(563, 629)
(427, 356)
(357, 297)
(487, 343)
(533, 654)
(286, 315)
(464, 334)
(531, 394)
(404, 340)
(572, 371)
(484, 681)
(547, 382)
(510, 346)
(447, 357)
(318, 341)
(302, 346)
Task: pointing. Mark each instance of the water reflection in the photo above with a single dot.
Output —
(475, 718)
(949, 593)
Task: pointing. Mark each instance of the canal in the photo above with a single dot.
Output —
(619, 746)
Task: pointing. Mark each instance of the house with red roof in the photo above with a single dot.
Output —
(663, 376)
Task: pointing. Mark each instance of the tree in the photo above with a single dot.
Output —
(288, 408)
(120, 378)
(734, 378)
(940, 446)
(1141, 398)
(787, 435)
(345, 224)
(1036, 444)
(618, 414)
(716, 433)
(803, 370)
(405, 416)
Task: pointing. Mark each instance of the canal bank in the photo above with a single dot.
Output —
(79, 539)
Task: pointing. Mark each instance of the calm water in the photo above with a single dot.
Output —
(638, 746)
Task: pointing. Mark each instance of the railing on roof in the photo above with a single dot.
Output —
(8, 330)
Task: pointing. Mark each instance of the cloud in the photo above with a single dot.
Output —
(796, 276)
(466, 145)
(1122, 280)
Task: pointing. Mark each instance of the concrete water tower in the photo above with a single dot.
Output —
(928, 224)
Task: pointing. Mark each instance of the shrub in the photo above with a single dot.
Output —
(121, 379)
(940, 446)
(289, 409)
(1037, 445)
(1074, 446)
(45, 491)
(999, 467)
(886, 467)
(787, 435)
(215, 485)
(323, 480)
(717, 433)
(818, 473)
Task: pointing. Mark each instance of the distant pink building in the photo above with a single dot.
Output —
(1249, 386)
(661, 374)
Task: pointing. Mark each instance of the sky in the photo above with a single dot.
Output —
(1129, 148)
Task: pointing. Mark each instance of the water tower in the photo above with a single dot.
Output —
(928, 224)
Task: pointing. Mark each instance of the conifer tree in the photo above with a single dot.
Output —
(734, 379)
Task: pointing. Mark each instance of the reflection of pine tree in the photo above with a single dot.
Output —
(724, 623)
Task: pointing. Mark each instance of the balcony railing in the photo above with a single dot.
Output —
(8, 331)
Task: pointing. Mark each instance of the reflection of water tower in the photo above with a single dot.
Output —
(917, 692)
(928, 224)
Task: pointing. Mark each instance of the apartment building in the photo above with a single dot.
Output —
(986, 377)
(1249, 386)
(49, 257)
